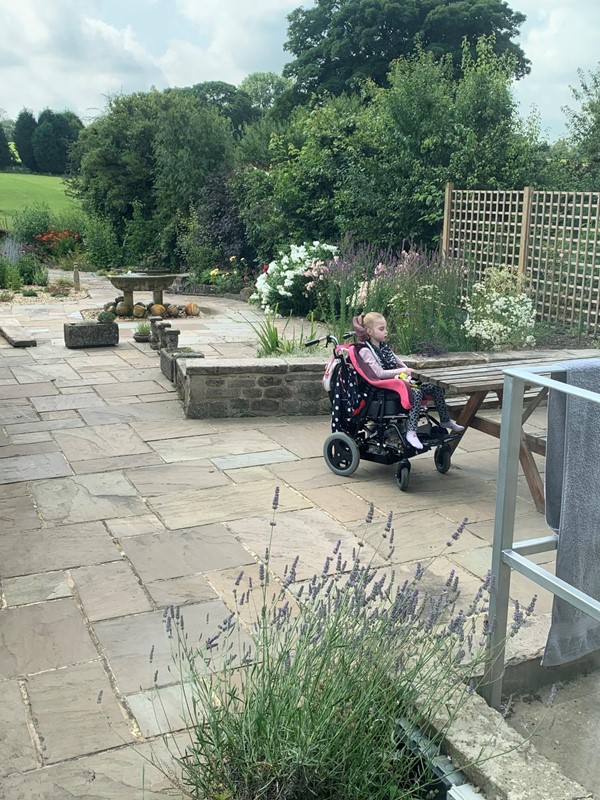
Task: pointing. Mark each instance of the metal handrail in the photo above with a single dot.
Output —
(506, 553)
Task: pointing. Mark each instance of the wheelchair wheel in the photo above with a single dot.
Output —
(403, 475)
(442, 458)
(341, 454)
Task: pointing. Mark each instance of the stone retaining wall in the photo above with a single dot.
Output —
(251, 387)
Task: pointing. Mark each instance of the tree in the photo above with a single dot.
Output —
(7, 124)
(6, 158)
(263, 88)
(46, 149)
(337, 44)
(25, 126)
(230, 101)
(584, 129)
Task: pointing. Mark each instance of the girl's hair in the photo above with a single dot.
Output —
(364, 321)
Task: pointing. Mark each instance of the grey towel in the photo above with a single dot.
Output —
(573, 509)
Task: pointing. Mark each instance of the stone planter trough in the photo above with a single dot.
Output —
(99, 334)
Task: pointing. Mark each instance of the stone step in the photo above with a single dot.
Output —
(16, 334)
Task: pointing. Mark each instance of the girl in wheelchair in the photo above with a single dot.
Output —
(379, 362)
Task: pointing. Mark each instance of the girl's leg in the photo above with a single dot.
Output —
(413, 420)
(440, 403)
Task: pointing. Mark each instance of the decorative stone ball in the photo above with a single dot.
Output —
(157, 310)
(192, 309)
(172, 311)
(139, 311)
(107, 306)
(123, 310)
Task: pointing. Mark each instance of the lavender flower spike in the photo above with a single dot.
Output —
(276, 499)
(370, 513)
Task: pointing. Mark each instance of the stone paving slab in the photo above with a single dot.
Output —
(220, 504)
(132, 413)
(32, 468)
(35, 588)
(88, 443)
(211, 445)
(176, 477)
(173, 554)
(124, 774)
(128, 641)
(16, 749)
(83, 498)
(18, 513)
(65, 705)
(41, 389)
(32, 552)
(41, 637)
(109, 590)
(34, 448)
(120, 463)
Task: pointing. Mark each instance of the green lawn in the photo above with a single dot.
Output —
(18, 190)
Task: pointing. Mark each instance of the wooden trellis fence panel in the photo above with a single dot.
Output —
(553, 238)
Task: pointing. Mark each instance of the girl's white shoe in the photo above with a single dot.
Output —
(453, 426)
(413, 439)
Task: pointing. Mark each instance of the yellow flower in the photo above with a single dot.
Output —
(214, 271)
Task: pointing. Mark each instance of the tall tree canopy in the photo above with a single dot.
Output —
(263, 88)
(24, 129)
(6, 158)
(230, 101)
(584, 127)
(338, 43)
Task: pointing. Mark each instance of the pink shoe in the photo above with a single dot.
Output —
(453, 426)
(413, 439)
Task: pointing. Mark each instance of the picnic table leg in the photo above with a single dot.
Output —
(467, 412)
(532, 475)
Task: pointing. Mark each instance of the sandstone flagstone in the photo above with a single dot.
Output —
(176, 477)
(65, 704)
(41, 389)
(18, 513)
(123, 774)
(128, 641)
(83, 498)
(221, 504)
(210, 446)
(15, 413)
(295, 535)
(134, 526)
(33, 468)
(109, 590)
(64, 402)
(138, 388)
(162, 710)
(149, 412)
(254, 459)
(44, 425)
(175, 553)
(33, 448)
(32, 552)
(180, 591)
(83, 444)
(41, 637)
(16, 750)
(35, 588)
(172, 429)
(110, 463)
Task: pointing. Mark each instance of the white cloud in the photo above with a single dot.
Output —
(558, 38)
(74, 53)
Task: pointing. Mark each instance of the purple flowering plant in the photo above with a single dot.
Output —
(298, 691)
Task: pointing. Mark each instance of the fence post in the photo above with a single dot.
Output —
(447, 219)
(525, 229)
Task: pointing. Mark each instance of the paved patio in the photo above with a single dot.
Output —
(112, 505)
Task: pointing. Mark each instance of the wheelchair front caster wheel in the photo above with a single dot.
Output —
(442, 458)
(403, 475)
(341, 454)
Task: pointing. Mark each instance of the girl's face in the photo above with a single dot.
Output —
(378, 333)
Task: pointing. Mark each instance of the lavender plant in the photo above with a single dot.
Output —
(310, 706)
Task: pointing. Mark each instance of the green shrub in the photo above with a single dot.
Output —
(106, 316)
(143, 328)
(28, 266)
(40, 276)
(6, 297)
(29, 293)
(31, 221)
(10, 277)
(102, 248)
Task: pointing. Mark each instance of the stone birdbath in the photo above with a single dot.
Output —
(155, 282)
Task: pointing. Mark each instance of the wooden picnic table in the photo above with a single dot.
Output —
(476, 381)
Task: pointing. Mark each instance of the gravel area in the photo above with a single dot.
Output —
(42, 298)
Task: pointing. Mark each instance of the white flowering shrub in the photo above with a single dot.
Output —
(499, 313)
(283, 283)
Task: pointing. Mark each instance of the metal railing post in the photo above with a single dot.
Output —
(506, 500)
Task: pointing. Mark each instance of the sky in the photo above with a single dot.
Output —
(74, 54)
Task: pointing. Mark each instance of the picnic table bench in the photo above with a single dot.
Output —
(475, 382)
